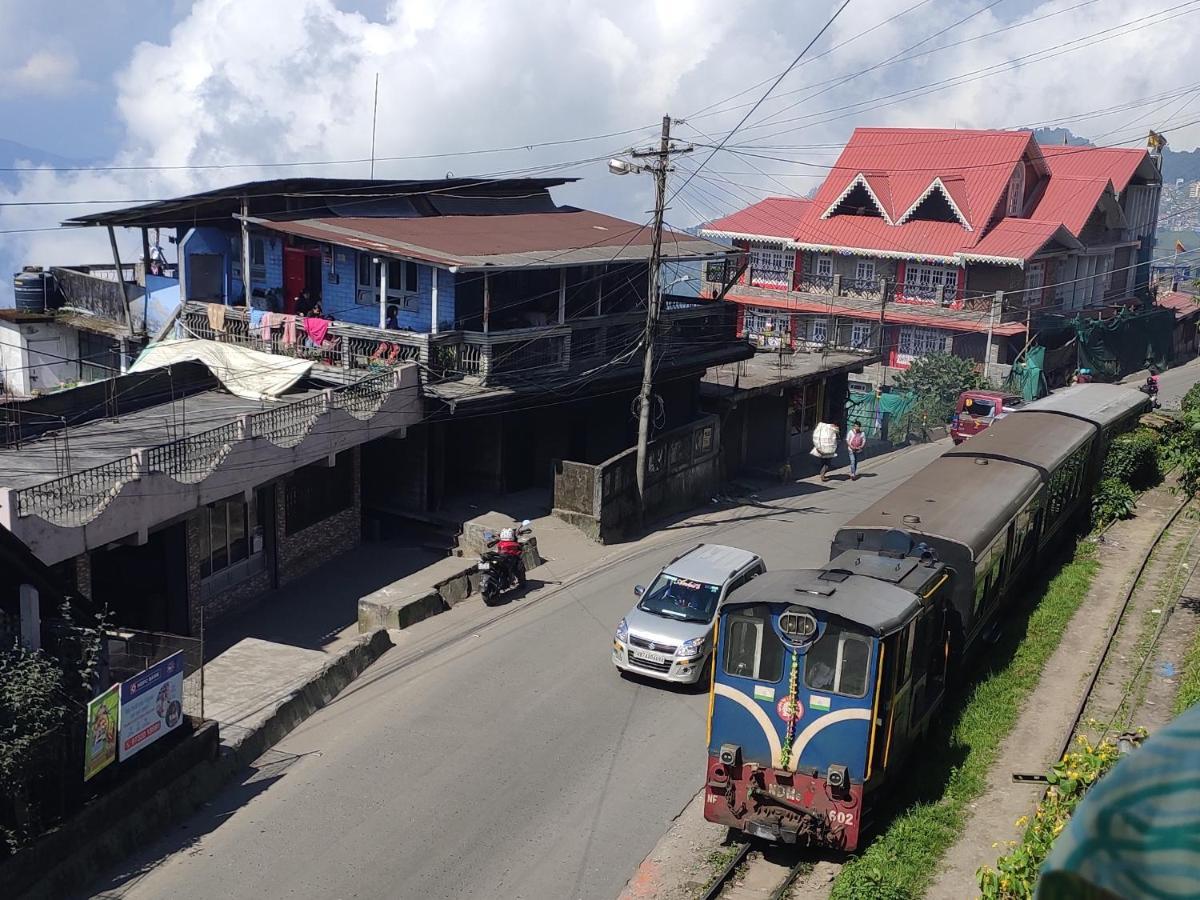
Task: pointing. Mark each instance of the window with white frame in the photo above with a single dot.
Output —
(864, 271)
(1035, 279)
(824, 266)
(767, 329)
(1016, 190)
(916, 341)
(860, 335)
(927, 279)
(817, 331)
(771, 265)
(401, 282)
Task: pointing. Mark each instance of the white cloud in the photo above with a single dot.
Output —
(43, 73)
(287, 81)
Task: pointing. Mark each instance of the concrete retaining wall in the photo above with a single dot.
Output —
(411, 600)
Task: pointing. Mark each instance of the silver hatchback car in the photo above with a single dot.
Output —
(668, 634)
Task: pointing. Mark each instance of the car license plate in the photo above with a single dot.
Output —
(484, 567)
(647, 656)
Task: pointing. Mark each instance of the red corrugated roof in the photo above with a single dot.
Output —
(894, 315)
(1115, 164)
(775, 217)
(1021, 239)
(1070, 200)
(901, 166)
(913, 157)
(1183, 305)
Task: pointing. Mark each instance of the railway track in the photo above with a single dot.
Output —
(751, 875)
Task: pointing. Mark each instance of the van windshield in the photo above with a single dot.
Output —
(678, 598)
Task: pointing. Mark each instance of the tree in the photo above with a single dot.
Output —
(935, 381)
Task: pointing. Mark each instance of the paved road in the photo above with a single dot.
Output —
(487, 760)
(1174, 383)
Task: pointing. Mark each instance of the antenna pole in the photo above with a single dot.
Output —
(374, 117)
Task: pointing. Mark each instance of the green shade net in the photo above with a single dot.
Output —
(875, 414)
(1027, 377)
(1126, 343)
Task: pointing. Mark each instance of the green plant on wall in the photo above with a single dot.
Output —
(935, 381)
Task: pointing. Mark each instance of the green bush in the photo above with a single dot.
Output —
(1191, 400)
(1133, 459)
(1113, 500)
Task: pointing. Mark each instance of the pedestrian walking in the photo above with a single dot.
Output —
(855, 442)
(825, 441)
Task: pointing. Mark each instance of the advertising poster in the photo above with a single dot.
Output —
(151, 705)
(100, 744)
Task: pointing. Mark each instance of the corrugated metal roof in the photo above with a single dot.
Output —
(900, 166)
(1115, 164)
(1021, 239)
(913, 157)
(563, 238)
(1182, 304)
(774, 216)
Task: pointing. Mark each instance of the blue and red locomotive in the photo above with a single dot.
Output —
(825, 679)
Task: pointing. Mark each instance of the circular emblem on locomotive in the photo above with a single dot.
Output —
(789, 709)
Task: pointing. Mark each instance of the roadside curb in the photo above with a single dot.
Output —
(181, 796)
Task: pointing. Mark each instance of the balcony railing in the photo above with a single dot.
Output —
(74, 500)
(493, 357)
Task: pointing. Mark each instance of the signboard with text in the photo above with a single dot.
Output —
(151, 705)
(100, 742)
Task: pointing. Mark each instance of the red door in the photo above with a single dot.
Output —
(293, 277)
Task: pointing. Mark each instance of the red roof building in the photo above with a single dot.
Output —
(922, 240)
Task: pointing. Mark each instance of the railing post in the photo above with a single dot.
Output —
(485, 361)
(837, 285)
(566, 352)
(425, 351)
(140, 466)
(939, 295)
(245, 427)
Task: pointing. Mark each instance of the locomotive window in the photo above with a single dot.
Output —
(752, 649)
(838, 662)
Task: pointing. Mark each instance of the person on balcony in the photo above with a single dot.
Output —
(392, 322)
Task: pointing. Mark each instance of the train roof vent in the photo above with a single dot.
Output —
(835, 575)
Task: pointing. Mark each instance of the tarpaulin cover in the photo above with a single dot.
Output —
(249, 374)
(1127, 342)
(875, 413)
(1028, 375)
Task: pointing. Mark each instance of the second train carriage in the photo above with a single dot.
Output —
(824, 679)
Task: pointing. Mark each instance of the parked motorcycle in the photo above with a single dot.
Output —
(502, 564)
(1150, 389)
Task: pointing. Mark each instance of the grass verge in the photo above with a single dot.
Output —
(957, 756)
(1189, 679)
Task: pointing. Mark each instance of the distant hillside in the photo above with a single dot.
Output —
(1049, 137)
(13, 154)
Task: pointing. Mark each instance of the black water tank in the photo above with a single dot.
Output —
(30, 289)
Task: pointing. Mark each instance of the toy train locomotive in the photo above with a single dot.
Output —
(825, 679)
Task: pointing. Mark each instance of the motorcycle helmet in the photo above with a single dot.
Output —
(507, 534)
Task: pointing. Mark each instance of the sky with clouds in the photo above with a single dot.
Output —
(216, 92)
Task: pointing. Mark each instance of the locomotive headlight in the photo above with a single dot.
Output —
(622, 631)
(837, 777)
(694, 647)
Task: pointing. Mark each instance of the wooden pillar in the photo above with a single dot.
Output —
(433, 301)
(245, 252)
(487, 300)
(145, 255)
(112, 242)
(383, 289)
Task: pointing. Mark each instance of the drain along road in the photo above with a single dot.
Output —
(513, 762)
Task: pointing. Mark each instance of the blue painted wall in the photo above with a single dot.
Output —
(208, 240)
(340, 300)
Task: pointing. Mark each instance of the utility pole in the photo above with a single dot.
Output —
(997, 301)
(659, 167)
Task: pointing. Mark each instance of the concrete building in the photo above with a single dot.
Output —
(168, 495)
(524, 318)
(924, 240)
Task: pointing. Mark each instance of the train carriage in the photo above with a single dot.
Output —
(825, 679)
